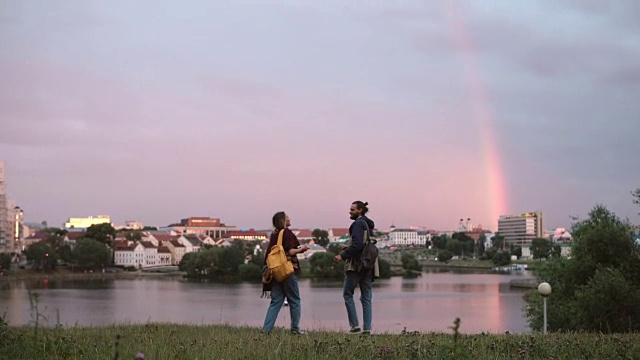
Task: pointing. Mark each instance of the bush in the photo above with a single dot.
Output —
(5, 261)
(410, 264)
(444, 256)
(42, 256)
(608, 303)
(250, 271)
(385, 268)
(598, 288)
(91, 254)
(322, 265)
(501, 258)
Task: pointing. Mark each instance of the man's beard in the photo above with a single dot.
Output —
(354, 217)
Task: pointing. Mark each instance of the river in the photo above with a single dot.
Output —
(483, 302)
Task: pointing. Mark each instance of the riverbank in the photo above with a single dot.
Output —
(451, 264)
(65, 274)
(172, 341)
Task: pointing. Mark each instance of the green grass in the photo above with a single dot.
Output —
(170, 341)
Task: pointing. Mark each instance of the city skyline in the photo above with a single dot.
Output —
(430, 112)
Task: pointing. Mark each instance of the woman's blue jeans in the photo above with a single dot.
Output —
(279, 290)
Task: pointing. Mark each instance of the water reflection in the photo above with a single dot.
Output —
(484, 302)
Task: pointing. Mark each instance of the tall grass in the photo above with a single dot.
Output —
(171, 341)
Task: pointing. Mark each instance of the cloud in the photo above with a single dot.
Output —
(161, 112)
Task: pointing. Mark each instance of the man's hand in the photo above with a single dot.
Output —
(303, 248)
(337, 259)
(344, 247)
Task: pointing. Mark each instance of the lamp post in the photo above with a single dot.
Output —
(545, 290)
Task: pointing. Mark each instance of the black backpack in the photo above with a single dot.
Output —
(370, 252)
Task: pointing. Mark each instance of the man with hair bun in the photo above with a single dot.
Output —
(354, 277)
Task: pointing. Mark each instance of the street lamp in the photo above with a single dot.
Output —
(545, 290)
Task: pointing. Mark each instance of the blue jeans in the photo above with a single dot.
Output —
(279, 290)
(364, 280)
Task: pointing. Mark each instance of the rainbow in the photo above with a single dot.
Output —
(483, 115)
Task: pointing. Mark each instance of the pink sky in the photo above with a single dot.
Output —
(158, 113)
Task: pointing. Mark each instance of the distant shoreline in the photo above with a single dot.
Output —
(65, 274)
(68, 275)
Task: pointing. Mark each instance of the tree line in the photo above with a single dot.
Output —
(597, 288)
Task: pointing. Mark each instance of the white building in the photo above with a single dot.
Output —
(164, 256)
(561, 235)
(408, 237)
(86, 222)
(153, 250)
(335, 234)
(191, 242)
(177, 251)
(129, 254)
(565, 251)
(131, 224)
(150, 253)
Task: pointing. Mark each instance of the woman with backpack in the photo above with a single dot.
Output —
(287, 287)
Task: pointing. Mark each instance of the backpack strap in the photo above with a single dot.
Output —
(280, 236)
(367, 237)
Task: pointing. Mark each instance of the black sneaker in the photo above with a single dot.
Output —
(366, 332)
(354, 330)
(298, 332)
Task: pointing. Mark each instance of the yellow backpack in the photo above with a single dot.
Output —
(279, 266)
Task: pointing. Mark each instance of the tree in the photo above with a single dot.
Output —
(149, 228)
(598, 288)
(490, 252)
(201, 263)
(410, 264)
(384, 268)
(228, 259)
(455, 246)
(321, 237)
(501, 258)
(91, 254)
(541, 248)
(55, 231)
(66, 254)
(466, 241)
(42, 255)
(186, 263)
(498, 241)
(249, 271)
(439, 241)
(104, 233)
(335, 249)
(135, 235)
(636, 197)
(517, 251)
(257, 259)
(322, 264)
(480, 246)
(444, 256)
(5, 261)
(55, 240)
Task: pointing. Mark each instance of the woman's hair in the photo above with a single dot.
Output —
(280, 220)
(361, 206)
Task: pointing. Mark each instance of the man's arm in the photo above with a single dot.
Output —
(357, 242)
